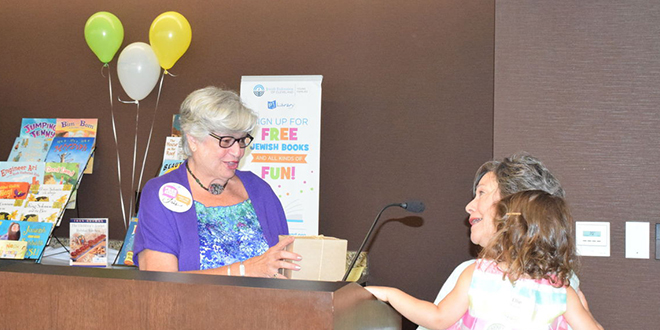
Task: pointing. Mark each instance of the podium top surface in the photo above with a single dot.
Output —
(29, 267)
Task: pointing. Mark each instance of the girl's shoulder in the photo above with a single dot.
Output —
(488, 266)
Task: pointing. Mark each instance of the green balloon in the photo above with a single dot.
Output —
(104, 35)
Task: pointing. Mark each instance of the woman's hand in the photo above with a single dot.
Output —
(270, 263)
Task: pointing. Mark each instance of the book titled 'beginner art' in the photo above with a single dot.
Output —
(88, 242)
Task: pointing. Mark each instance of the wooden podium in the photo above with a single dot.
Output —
(34, 296)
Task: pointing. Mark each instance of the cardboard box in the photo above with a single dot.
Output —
(323, 258)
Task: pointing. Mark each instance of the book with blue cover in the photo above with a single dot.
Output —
(38, 127)
(78, 127)
(169, 165)
(71, 150)
(34, 233)
(125, 256)
(29, 149)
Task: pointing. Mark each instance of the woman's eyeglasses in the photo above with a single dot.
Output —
(228, 141)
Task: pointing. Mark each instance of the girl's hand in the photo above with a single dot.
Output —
(379, 292)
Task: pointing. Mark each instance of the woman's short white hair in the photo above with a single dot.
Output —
(214, 110)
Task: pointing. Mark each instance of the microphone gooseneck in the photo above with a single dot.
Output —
(414, 206)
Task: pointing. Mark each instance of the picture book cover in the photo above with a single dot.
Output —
(38, 127)
(41, 212)
(176, 125)
(173, 149)
(34, 233)
(13, 249)
(14, 190)
(10, 212)
(71, 150)
(125, 256)
(50, 193)
(61, 173)
(4, 203)
(30, 172)
(169, 165)
(78, 127)
(88, 242)
(58, 195)
(29, 149)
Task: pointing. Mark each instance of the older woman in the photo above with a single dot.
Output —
(493, 181)
(207, 216)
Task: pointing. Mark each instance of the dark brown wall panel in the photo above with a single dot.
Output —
(576, 83)
(407, 105)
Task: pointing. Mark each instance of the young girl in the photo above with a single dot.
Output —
(521, 279)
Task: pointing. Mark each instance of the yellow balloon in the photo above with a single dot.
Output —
(170, 37)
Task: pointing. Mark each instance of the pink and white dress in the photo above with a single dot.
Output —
(497, 304)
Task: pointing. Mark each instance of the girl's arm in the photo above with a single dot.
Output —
(577, 316)
(425, 313)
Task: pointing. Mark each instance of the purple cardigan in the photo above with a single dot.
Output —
(160, 229)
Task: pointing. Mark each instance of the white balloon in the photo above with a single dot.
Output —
(138, 70)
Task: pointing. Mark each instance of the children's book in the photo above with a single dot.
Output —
(29, 149)
(59, 195)
(173, 149)
(71, 150)
(42, 212)
(169, 165)
(30, 172)
(125, 256)
(13, 249)
(61, 173)
(78, 127)
(34, 233)
(10, 212)
(88, 242)
(14, 190)
(5, 203)
(176, 125)
(38, 127)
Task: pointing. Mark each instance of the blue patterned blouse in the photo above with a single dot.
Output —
(228, 234)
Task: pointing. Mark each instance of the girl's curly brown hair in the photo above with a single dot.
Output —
(534, 238)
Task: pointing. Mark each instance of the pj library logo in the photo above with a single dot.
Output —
(259, 90)
(274, 104)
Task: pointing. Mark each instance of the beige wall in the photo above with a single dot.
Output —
(407, 105)
(576, 83)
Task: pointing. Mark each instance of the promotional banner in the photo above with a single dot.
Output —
(287, 144)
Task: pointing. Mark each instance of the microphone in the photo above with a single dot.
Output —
(414, 206)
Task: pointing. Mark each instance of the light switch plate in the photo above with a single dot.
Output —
(592, 238)
(638, 239)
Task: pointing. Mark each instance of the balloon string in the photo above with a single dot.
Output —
(137, 121)
(165, 72)
(114, 132)
(128, 102)
(153, 120)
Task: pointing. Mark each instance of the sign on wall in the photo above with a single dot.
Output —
(287, 144)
